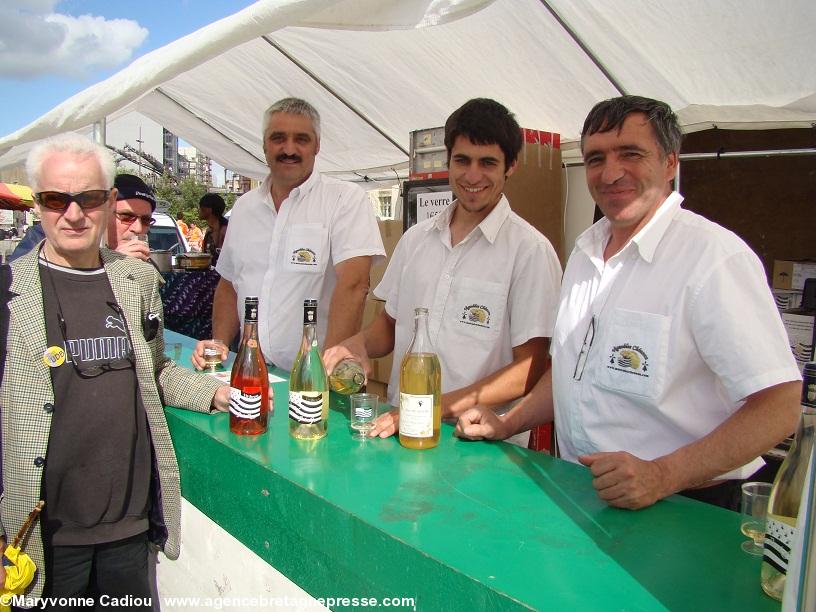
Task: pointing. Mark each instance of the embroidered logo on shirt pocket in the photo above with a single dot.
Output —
(635, 351)
(307, 248)
(479, 305)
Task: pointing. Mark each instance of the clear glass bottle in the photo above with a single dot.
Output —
(308, 384)
(420, 389)
(786, 495)
(249, 380)
(347, 377)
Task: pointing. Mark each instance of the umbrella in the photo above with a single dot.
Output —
(15, 197)
(18, 565)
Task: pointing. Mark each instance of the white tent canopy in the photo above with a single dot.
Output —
(379, 69)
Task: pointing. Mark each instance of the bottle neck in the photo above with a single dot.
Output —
(309, 336)
(421, 342)
(250, 329)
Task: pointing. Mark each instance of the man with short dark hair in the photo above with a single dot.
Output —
(671, 368)
(488, 278)
(83, 390)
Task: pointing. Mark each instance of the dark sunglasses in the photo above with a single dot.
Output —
(58, 200)
(129, 218)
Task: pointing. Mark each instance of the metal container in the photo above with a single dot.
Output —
(194, 261)
(162, 259)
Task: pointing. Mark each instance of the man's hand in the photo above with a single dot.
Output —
(386, 424)
(198, 351)
(134, 248)
(624, 481)
(353, 348)
(481, 424)
(221, 398)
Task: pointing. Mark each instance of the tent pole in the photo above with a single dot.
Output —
(340, 98)
(584, 47)
(209, 125)
(100, 131)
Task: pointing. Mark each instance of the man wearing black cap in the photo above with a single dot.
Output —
(132, 217)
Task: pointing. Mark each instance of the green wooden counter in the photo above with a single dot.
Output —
(464, 526)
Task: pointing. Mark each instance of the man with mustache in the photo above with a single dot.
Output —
(671, 369)
(299, 235)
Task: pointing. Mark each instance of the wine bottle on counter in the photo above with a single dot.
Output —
(308, 384)
(249, 381)
(786, 494)
(420, 388)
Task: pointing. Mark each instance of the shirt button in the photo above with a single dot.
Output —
(39, 461)
(48, 407)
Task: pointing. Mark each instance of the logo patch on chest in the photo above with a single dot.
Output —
(476, 314)
(629, 359)
(304, 257)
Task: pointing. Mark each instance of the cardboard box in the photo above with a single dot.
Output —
(534, 189)
(792, 274)
(799, 324)
(391, 232)
(380, 367)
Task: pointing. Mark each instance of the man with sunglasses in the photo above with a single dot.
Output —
(84, 386)
(671, 370)
(132, 217)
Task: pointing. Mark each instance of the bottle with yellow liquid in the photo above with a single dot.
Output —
(420, 406)
(786, 495)
(308, 384)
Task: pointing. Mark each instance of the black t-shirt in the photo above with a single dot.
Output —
(97, 471)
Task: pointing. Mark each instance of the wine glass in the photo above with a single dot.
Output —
(364, 410)
(754, 510)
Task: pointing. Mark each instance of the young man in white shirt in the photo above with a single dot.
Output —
(476, 254)
(298, 236)
(671, 369)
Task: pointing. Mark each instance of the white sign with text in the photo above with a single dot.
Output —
(431, 204)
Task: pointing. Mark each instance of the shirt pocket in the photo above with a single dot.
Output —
(307, 248)
(634, 352)
(476, 308)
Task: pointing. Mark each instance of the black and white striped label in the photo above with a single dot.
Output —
(778, 541)
(307, 407)
(244, 405)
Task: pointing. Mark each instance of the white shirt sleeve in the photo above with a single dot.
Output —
(738, 329)
(354, 231)
(389, 286)
(534, 292)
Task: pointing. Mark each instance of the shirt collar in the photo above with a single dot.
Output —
(593, 241)
(298, 192)
(489, 226)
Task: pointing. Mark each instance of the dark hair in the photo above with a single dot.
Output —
(484, 122)
(214, 202)
(610, 114)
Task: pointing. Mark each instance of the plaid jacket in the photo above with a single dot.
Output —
(27, 397)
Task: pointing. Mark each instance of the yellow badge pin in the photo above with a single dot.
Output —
(54, 356)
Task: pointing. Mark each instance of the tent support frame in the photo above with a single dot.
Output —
(340, 98)
(584, 47)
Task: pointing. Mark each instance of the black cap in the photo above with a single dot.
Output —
(131, 186)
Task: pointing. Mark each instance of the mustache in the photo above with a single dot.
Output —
(285, 157)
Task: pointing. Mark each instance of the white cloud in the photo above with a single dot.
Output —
(36, 41)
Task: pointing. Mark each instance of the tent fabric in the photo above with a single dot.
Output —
(379, 69)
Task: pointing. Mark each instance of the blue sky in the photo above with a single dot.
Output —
(50, 49)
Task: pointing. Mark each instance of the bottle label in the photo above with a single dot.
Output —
(245, 403)
(307, 406)
(779, 537)
(416, 415)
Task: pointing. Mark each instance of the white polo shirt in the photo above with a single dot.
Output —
(685, 328)
(287, 256)
(496, 289)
